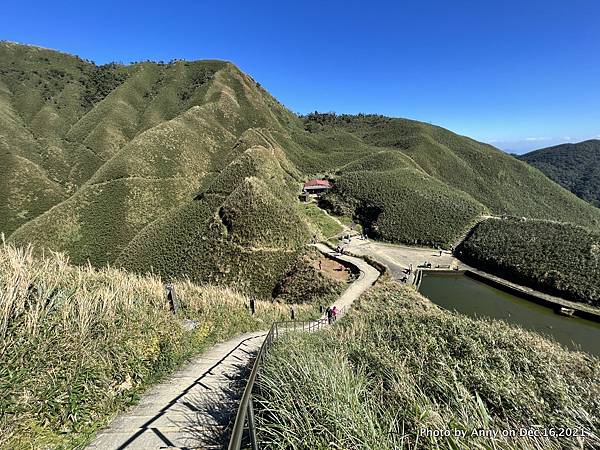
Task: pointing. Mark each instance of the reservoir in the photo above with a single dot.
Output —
(476, 299)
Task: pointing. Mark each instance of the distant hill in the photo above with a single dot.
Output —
(574, 166)
(191, 169)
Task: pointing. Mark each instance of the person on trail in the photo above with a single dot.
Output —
(329, 313)
(292, 313)
(334, 312)
(440, 252)
(320, 265)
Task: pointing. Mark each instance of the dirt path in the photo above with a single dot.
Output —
(397, 258)
(195, 406)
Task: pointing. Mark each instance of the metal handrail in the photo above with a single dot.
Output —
(245, 412)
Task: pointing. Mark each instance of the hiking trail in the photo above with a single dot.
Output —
(195, 407)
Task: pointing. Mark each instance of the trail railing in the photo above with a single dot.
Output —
(244, 420)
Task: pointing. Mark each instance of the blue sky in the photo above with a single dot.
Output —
(518, 74)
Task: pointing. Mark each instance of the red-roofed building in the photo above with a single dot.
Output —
(316, 186)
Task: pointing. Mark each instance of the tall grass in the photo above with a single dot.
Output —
(398, 365)
(78, 344)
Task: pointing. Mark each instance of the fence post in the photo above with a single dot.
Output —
(251, 426)
(171, 298)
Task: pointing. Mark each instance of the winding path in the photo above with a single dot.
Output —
(194, 407)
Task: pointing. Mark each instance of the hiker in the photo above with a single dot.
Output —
(440, 252)
(292, 313)
(334, 313)
(329, 313)
(320, 264)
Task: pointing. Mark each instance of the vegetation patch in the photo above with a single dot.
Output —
(324, 226)
(404, 205)
(556, 258)
(310, 279)
(398, 366)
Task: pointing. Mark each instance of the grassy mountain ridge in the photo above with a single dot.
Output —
(576, 167)
(157, 169)
(490, 176)
(192, 169)
(241, 228)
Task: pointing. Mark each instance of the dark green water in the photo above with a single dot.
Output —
(476, 299)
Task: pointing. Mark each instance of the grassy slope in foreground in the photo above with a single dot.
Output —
(78, 344)
(576, 167)
(399, 364)
(556, 258)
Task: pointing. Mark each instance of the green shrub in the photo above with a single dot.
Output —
(304, 283)
(556, 258)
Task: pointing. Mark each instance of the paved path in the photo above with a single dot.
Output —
(397, 258)
(194, 407)
(368, 275)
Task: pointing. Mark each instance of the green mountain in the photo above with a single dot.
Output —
(191, 169)
(419, 183)
(576, 167)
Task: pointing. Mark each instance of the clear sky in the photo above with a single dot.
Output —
(518, 74)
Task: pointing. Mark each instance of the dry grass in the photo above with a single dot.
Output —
(397, 365)
(78, 344)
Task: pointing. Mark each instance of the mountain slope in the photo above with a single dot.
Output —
(493, 178)
(191, 169)
(413, 182)
(576, 167)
